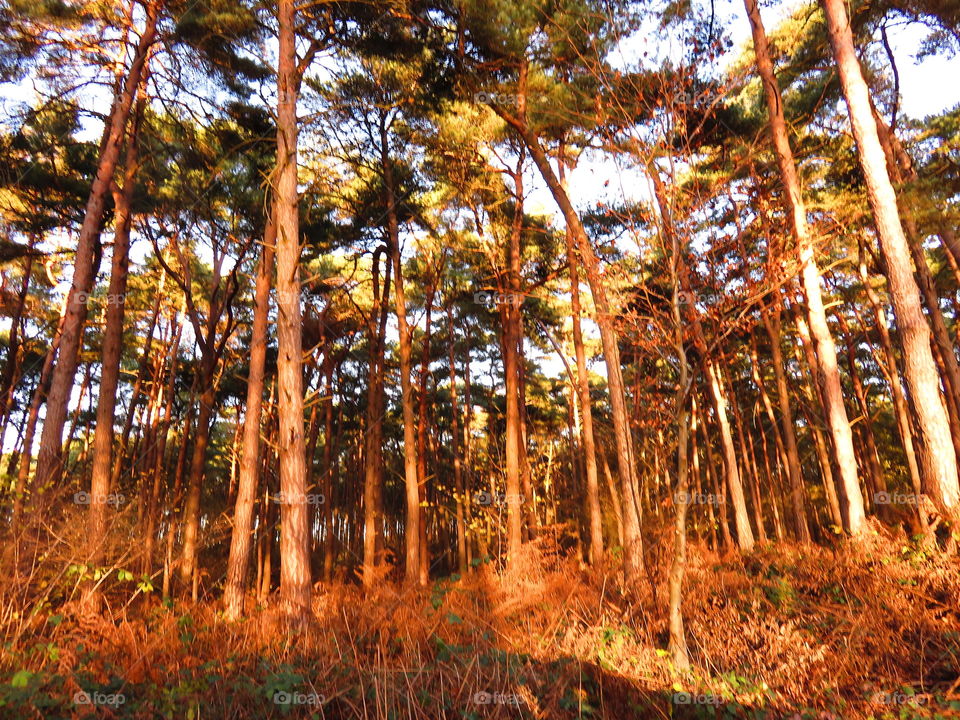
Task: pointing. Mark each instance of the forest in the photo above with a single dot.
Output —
(479, 359)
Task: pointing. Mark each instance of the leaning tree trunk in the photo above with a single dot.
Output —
(797, 493)
(938, 459)
(745, 538)
(595, 553)
(632, 540)
(50, 459)
(112, 341)
(826, 352)
(294, 520)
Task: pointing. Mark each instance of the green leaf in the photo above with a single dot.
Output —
(21, 679)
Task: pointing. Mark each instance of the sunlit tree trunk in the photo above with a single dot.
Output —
(510, 312)
(632, 541)
(112, 340)
(594, 519)
(938, 460)
(826, 353)
(797, 492)
(50, 460)
(405, 332)
(295, 585)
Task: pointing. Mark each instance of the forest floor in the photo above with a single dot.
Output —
(842, 632)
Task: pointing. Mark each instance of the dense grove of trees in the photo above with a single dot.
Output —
(298, 293)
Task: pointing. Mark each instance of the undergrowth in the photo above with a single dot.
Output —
(870, 631)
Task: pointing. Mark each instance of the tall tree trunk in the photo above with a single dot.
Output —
(50, 458)
(510, 313)
(163, 432)
(595, 553)
(329, 442)
(938, 458)
(893, 379)
(405, 332)
(422, 427)
(826, 353)
(734, 485)
(797, 493)
(295, 584)
(632, 540)
(740, 517)
(112, 341)
(373, 435)
(191, 507)
(238, 561)
(461, 500)
(23, 469)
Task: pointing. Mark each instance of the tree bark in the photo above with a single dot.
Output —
(112, 341)
(413, 549)
(295, 583)
(938, 460)
(238, 561)
(50, 458)
(373, 436)
(826, 352)
(632, 540)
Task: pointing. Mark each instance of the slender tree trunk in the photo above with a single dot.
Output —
(329, 443)
(719, 496)
(510, 313)
(423, 422)
(23, 470)
(826, 353)
(238, 561)
(893, 379)
(740, 517)
(797, 493)
(50, 458)
(938, 459)
(112, 340)
(632, 540)
(583, 395)
(462, 507)
(295, 584)
(198, 459)
(413, 549)
(373, 437)
(163, 433)
(133, 409)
